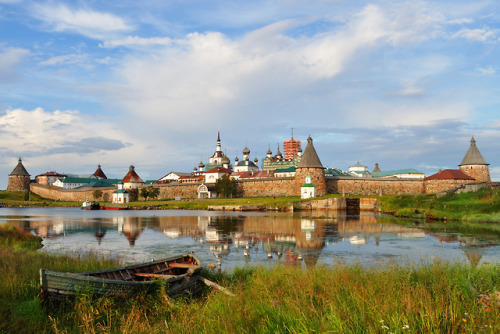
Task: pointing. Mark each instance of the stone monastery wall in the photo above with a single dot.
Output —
(283, 186)
(435, 186)
(185, 190)
(77, 195)
(361, 186)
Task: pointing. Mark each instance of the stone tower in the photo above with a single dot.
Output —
(310, 165)
(474, 165)
(19, 179)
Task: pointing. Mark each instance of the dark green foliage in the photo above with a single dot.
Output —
(225, 187)
(97, 194)
(149, 192)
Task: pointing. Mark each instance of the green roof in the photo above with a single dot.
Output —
(91, 182)
(308, 185)
(285, 170)
(395, 172)
(336, 172)
(120, 191)
(78, 180)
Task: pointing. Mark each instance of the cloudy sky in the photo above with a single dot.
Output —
(402, 83)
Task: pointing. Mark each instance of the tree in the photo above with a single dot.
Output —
(149, 192)
(154, 192)
(145, 193)
(225, 187)
(97, 194)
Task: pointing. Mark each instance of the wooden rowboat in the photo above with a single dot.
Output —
(181, 274)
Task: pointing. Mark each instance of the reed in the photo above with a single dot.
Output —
(400, 298)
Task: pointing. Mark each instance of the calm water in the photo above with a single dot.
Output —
(235, 239)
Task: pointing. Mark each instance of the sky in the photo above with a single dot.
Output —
(404, 84)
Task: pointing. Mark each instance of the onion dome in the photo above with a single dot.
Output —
(255, 160)
(201, 164)
(236, 159)
(269, 151)
(225, 160)
(246, 151)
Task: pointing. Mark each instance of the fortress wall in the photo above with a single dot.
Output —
(77, 195)
(435, 186)
(368, 186)
(274, 186)
(183, 190)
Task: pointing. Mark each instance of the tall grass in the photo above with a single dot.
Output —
(436, 298)
(480, 206)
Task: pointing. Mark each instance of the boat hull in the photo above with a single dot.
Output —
(115, 208)
(180, 274)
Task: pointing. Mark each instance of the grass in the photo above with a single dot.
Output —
(24, 199)
(480, 206)
(436, 298)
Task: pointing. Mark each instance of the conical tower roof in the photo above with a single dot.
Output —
(99, 173)
(20, 170)
(310, 158)
(132, 176)
(473, 156)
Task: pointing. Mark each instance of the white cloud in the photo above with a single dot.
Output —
(10, 59)
(87, 22)
(477, 35)
(70, 59)
(200, 79)
(41, 131)
(486, 70)
(460, 21)
(136, 41)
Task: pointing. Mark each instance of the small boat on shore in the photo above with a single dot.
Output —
(181, 274)
(88, 205)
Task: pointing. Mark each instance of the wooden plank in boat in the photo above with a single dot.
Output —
(155, 275)
(182, 265)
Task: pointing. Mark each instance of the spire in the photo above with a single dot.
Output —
(473, 156)
(310, 158)
(218, 149)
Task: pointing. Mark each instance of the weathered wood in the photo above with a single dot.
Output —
(216, 286)
(155, 275)
(182, 265)
(125, 281)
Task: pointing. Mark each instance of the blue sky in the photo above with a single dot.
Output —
(401, 83)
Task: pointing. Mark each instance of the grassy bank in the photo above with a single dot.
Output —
(24, 199)
(278, 203)
(480, 206)
(439, 298)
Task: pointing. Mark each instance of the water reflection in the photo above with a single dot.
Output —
(231, 240)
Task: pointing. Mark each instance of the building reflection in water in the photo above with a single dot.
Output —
(254, 239)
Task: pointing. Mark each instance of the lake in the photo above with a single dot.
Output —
(232, 239)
